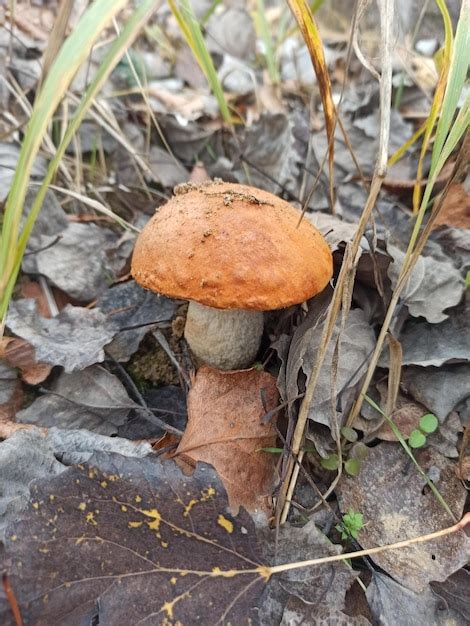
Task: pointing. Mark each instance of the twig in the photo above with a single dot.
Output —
(350, 257)
(277, 569)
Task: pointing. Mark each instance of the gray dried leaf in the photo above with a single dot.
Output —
(432, 287)
(319, 586)
(167, 403)
(9, 153)
(92, 398)
(268, 151)
(73, 339)
(439, 389)
(393, 511)
(51, 221)
(435, 344)
(363, 132)
(334, 229)
(165, 169)
(356, 343)
(455, 244)
(232, 32)
(128, 305)
(299, 613)
(75, 261)
(236, 76)
(8, 382)
(29, 454)
(392, 604)
(455, 594)
(296, 63)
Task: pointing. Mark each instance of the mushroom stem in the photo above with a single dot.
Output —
(227, 339)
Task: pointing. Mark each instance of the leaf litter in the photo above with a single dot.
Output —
(71, 378)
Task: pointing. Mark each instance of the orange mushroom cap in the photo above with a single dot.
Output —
(231, 246)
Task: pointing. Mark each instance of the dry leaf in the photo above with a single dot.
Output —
(21, 354)
(11, 393)
(131, 541)
(455, 209)
(225, 428)
(397, 504)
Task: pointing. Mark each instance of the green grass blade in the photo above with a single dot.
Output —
(456, 80)
(116, 51)
(74, 52)
(263, 30)
(191, 30)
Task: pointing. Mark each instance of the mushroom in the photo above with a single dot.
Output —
(233, 251)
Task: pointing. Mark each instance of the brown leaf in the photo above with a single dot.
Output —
(128, 541)
(225, 429)
(397, 504)
(19, 353)
(455, 209)
(33, 290)
(406, 416)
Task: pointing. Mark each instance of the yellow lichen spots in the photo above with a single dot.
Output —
(81, 467)
(225, 523)
(173, 580)
(138, 499)
(79, 541)
(189, 506)
(67, 585)
(207, 493)
(230, 573)
(103, 484)
(90, 518)
(35, 505)
(13, 537)
(113, 477)
(123, 508)
(168, 608)
(51, 497)
(155, 516)
(135, 524)
(43, 550)
(164, 544)
(82, 506)
(77, 481)
(45, 598)
(264, 571)
(92, 473)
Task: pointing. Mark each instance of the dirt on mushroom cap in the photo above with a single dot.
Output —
(231, 246)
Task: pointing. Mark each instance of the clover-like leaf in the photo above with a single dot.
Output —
(330, 462)
(352, 467)
(416, 439)
(349, 434)
(127, 541)
(428, 423)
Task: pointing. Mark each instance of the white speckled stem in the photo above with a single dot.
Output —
(227, 339)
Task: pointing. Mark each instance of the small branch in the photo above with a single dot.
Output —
(276, 569)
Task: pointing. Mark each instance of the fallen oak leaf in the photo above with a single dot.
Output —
(225, 429)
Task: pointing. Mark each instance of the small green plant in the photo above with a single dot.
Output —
(352, 523)
(354, 453)
(427, 425)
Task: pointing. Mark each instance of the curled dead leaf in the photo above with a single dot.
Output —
(225, 428)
